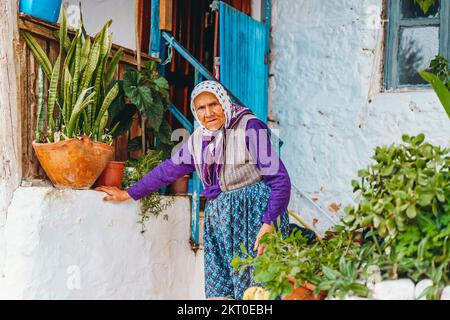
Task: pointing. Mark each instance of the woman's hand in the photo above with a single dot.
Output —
(266, 228)
(114, 194)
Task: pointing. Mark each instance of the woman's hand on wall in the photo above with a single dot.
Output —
(266, 228)
(114, 194)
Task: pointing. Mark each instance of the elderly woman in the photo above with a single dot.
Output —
(245, 183)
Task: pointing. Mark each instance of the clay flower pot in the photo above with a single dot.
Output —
(112, 175)
(73, 163)
(304, 292)
(180, 186)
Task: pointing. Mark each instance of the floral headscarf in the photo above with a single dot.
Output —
(233, 113)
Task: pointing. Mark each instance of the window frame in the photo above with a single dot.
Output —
(395, 22)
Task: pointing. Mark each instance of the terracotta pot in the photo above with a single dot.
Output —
(73, 163)
(180, 186)
(304, 292)
(112, 175)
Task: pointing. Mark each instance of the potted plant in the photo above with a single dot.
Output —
(292, 267)
(73, 143)
(403, 208)
(180, 186)
(112, 175)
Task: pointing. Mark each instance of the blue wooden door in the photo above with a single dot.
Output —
(243, 67)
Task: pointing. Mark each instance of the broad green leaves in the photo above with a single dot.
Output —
(149, 92)
(439, 87)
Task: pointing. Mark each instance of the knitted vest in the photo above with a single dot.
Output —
(239, 169)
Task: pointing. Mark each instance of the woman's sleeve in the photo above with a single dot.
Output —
(272, 169)
(164, 174)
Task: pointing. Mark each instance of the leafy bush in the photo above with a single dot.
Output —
(398, 227)
(298, 259)
(148, 94)
(405, 197)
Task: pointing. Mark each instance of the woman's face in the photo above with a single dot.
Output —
(209, 111)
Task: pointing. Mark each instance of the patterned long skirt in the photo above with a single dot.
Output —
(232, 219)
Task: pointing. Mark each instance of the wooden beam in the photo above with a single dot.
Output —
(166, 12)
(10, 134)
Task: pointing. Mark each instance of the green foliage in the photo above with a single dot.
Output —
(405, 182)
(439, 87)
(149, 92)
(135, 170)
(77, 85)
(297, 258)
(440, 67)
(439, 78)
(403, 209)
(425, 5)
(405, 196)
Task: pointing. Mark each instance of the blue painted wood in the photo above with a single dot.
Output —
(267, 24)
(243, 67)
(195, 63)
(196, 186)
(445, 29)
(155, 32)
(181, 118)
(43, 9)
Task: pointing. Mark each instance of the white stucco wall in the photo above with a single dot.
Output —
(97, 12)
(67, 244)
(325, 96)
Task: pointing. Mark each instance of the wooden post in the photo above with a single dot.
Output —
(10, 140)
(138, 30)
(166, 10)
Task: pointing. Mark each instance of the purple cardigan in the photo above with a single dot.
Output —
(168, 171)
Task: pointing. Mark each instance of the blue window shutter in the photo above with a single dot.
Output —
(243, 67)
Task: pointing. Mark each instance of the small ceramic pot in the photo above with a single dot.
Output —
(304, 292)
(112, 175)
(180, 186)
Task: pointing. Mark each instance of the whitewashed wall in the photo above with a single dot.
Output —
(97, 12)
(325, 95)
(67, 244)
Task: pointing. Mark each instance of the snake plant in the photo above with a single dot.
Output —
(80, 85)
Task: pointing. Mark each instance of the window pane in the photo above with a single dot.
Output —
(410, 9)
(418, 46)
